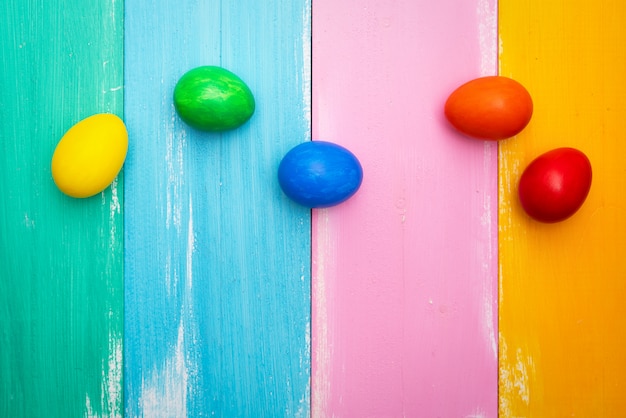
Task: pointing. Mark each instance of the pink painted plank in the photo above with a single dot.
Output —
(404, 273)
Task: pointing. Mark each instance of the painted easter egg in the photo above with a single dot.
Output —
(319, 174)
(491, 108)
(555, 185)
(211, 98)
(90, 155)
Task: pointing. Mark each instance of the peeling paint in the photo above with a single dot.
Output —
(487, 36)
(164, 394)
(112, 378)
(514, 377)
(321, 348)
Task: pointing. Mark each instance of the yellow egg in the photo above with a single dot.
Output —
(90, 155)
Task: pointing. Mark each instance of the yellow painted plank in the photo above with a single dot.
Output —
(562, 286)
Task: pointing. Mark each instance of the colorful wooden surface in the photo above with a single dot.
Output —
(405, 273)
(224, 298)
(562, 286)
(61, 280)
(217, 258)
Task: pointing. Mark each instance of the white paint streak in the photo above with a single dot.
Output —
(488, 319)
(165, 392)
(190, 248)
(115, 206)
(322, 347)
(29, 223)
(477, 414)
(187, 310)
(303, 404)
(114, 209)
(500, 51)
(111, 384)
(514, 378)
(304, 410)
(306, 57)
(111, 389)
(112, 378)
(89, 413)
(522, 363)
(510, 171)
(168, 274)
(505, 384)
(175, 144)
(169, 147)
(500, 283)
(487, 36)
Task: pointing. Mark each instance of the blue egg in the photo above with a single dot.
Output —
(319, 174)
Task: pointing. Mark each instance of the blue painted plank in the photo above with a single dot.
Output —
(217, 259)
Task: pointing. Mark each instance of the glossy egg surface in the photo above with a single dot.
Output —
(90, 155)
(555, 184)
(213, 99)
(491, 108)
(319, 174)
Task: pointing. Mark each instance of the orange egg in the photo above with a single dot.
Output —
(491, 108)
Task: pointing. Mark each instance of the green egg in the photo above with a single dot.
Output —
(211, 98)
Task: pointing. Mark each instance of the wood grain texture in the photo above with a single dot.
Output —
(61, 282)
(217, 258)
(404, 273)
(562, 285)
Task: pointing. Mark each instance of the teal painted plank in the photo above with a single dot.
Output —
(217, 258)
(61, 282)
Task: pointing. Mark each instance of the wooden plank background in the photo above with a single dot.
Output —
(61, 281)
(203, 268)
(562, 287)
(405, 273)
(217, 258)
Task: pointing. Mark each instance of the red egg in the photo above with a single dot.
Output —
(555, 185)
(491, 108)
